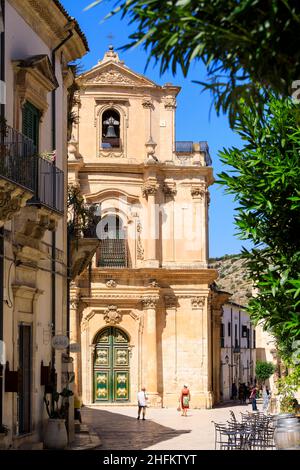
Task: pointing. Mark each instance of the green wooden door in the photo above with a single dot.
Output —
(111, 366)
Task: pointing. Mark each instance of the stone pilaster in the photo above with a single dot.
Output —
(149, 191)
(76, 309)
(149, 304)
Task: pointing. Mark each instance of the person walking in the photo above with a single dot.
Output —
(253, 396)
(266, 398)
(142, 403)
(184, 400)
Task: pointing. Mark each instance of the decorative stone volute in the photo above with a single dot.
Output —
(198, 191)
(169, 189)
(150, 187)
(170, 301)
(198, 302)
(149, 302)
(12, 199)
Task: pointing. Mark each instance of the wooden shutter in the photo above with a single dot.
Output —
(31, 122)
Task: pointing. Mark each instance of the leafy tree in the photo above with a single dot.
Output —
(287, 387)
(242, 43)
(264, 370)
(265, 180)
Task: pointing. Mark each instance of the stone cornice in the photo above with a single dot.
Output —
(124, 166)
(172, 275)
(48, 20)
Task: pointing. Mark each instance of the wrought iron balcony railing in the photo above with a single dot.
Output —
(49, 185)
(184, 146)
(112, 253)
(20, 164)
(17, 154)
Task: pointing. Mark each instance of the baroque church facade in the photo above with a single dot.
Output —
(144, 312)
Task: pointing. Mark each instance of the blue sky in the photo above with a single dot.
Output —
(194, 121)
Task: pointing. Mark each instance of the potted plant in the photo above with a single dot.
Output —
(57, 407)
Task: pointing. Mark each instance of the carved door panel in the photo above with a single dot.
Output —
(111, 366)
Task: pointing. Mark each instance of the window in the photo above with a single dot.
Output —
(229, 329)
(254, 339)
(222, 335)
(110, 137)
(248, 338)
(244, 331)
(113, 245)
(31, 122)
(236, 341)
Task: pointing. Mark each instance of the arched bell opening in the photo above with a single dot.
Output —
(111, 121)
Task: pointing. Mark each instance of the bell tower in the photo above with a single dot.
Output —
(150, 275)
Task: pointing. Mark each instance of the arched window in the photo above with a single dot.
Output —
(110, 137)
(112, 228)
(113, 245)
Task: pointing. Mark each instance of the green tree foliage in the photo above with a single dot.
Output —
(265, 181)
(242, 43)
(287, 387)
(264, 370)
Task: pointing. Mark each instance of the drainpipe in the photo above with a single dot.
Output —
(53, 254)
(2, 115)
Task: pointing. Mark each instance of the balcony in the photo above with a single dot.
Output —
(16, 182)
(112, 253)
(193, 153)
(20, 166)
(16, 158)
(184, 147)
(48, 185)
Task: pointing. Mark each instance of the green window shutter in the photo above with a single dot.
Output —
(31, 122)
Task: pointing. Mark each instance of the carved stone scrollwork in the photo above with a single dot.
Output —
(153, 283)
(200, 191)
(111, 76)
(198, 302)
(149, 302)
(147, 103)
(139, 247)
(12, 199)
(170, 301)
(111, 154)
(112, 316)
(170, 102)
(136, 316)
(169, 189)
(149, 188)
(111, 283)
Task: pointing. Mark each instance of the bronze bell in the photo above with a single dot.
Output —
(111, 122)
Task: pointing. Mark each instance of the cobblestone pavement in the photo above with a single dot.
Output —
(163, 429)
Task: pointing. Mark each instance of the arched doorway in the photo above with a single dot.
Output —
(111, 366)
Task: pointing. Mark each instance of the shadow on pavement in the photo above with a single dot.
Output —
(120, 432)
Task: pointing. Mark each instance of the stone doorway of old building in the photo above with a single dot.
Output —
(111, 366)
